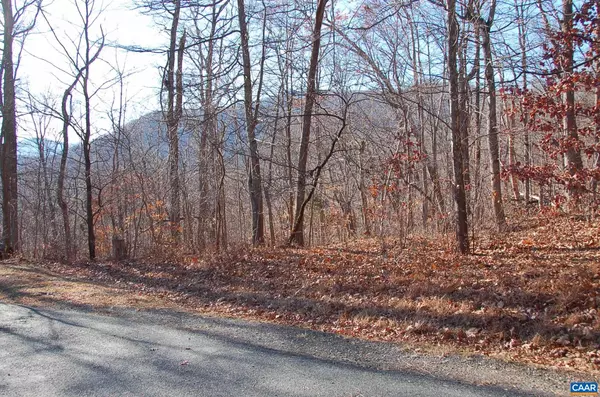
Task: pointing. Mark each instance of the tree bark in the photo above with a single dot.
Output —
(297, 236)
(492, 119)
(269, 182)
(316, 174)
(62, 173)
(254, 180)
(462, 228)
(89, 211)
(574, 161)
(174, 85)
(10, 222)
(86, 133)
(523, 48)
(209, 223)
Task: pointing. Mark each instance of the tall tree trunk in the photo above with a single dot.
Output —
(62, 171)
(477, 110)
(462, 228)
(82, 74)
(288, 151)
(464, 119)
(174, 84)
(270, 169)
(118, 212)
(573, 155)
(206, 167)
(86, 134)
(512, 154)
(9, 138)
(89, 211)
(297, 236)
(523, 47)
(220, 211)
(417, 72)
(492, 119)
(254, 180)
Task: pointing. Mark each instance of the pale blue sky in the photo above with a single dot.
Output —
(43, 59)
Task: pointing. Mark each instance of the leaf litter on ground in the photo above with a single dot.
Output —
(531, 295)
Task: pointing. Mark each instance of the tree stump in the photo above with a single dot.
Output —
(119, 248)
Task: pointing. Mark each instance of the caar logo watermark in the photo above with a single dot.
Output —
(584, 388)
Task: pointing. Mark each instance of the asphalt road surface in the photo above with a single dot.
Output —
(77, 353)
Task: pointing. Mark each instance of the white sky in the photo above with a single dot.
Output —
(121, 24)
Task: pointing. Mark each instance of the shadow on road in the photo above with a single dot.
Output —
(175, 351)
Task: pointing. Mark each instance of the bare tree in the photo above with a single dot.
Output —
(173, 83)
(90, 50)
(315, 173)
(485, 27)
(462, 228)
(251, 108)
(212, 57)
(8, 139)
(47, 149)
(297, 234)
(84, 53)
(573, 155)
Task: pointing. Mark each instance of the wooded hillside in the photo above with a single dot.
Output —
(293, 123)
(420, 171)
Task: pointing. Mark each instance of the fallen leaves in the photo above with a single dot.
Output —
(526, 296)
(527, 242)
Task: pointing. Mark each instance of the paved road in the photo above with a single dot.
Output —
(75, 353)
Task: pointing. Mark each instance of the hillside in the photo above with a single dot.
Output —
(530, 296)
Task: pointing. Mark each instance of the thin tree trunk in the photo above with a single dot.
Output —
(86, 134)
(297, 236)
(573, 155)
(523, 48)
(255, 181)
(174, 84)
(288, 155)
(89, 211)
(462, 228)
(493, 120)
(478, 109)
(221, 215)
(417, 72)
(512, 159)
(48, 192)
(270, 171)
(62, 173)
(317, 173)
(363, 190)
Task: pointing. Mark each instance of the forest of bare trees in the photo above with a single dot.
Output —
(298, 123)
